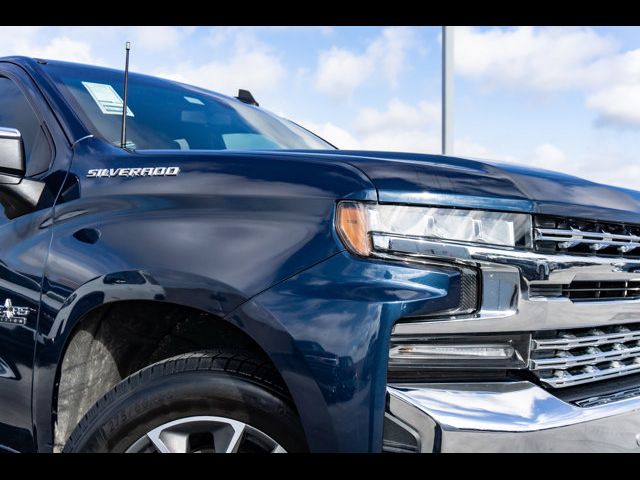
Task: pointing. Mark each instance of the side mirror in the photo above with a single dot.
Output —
(18, 195)
(12, 165)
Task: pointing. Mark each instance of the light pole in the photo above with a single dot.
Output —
(447, 90)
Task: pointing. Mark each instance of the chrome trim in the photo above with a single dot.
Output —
(9, 132)
(392, 443)
(596, 240)
(506, 277)
(418, 425)
(583, 360)
(569, 343)
(534, 266)
(600, 355)
(565, 379)
(511, 417)
(81, 139)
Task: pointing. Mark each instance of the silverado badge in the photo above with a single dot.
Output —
(133, 172)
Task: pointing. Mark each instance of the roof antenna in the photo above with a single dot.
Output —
(123, 132)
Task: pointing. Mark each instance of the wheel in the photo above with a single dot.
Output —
(198, 402)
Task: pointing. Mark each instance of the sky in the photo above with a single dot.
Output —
(561, 98)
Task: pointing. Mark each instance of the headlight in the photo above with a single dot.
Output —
(355, 222)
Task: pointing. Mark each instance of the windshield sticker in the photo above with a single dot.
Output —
(195, 101)
(107, 99)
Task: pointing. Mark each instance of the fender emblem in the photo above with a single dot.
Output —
(11, 314)
(133, 172)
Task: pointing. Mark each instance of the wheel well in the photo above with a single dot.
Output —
(115, 340)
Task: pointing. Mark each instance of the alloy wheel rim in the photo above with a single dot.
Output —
(205, 434)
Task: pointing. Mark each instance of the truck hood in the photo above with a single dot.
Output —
(422, 179)
(453, 181)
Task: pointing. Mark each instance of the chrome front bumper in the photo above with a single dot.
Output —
(504, 417)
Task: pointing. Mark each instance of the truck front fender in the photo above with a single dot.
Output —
(59, 316)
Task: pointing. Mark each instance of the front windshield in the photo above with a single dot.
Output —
(164, 115)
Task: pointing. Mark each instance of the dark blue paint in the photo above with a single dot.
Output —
(247, 236)
(344, 309)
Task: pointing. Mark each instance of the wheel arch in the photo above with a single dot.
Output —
(162, 288)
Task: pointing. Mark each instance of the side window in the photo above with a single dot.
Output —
(16, 112)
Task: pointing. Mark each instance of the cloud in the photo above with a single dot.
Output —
(400, 127)
(618, 105)
(252, 65)
(466, 147)
(399, 116)
(555, 59)
(340, 71)
(612, 165)
(256, 71)
(333, 134)
(158, 38)
(27, 41)
(627, 175)
(65, 48)
(390, 52)
(602, 165)
(13, 38)
(548, 156)
(525, 57)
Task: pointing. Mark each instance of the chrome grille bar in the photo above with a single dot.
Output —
(587, 359)
(596, 240)
(571, 341)
(591, 374)
(585, 355)
(580, 236)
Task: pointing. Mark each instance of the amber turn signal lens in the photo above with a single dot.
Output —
(352, 227)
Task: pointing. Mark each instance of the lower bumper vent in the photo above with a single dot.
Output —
(582, 291)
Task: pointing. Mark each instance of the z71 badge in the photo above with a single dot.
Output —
(15, 315)
(133, 172)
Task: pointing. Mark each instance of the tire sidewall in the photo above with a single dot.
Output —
(134, 411)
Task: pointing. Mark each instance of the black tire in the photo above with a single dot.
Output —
(235, 386)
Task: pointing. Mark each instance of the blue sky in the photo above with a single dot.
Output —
(564, 98)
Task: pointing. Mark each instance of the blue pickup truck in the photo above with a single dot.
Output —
(226, 281)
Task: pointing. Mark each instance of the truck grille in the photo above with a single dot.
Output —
(562, 235)
(573, 357)
(584, 291)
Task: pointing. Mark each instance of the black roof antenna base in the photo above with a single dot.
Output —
(246, 97)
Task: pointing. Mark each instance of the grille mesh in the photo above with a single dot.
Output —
(573, 357)
(584, 291)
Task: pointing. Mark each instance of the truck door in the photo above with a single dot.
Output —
(23, 248)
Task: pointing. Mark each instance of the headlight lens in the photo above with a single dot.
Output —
(355, 221)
